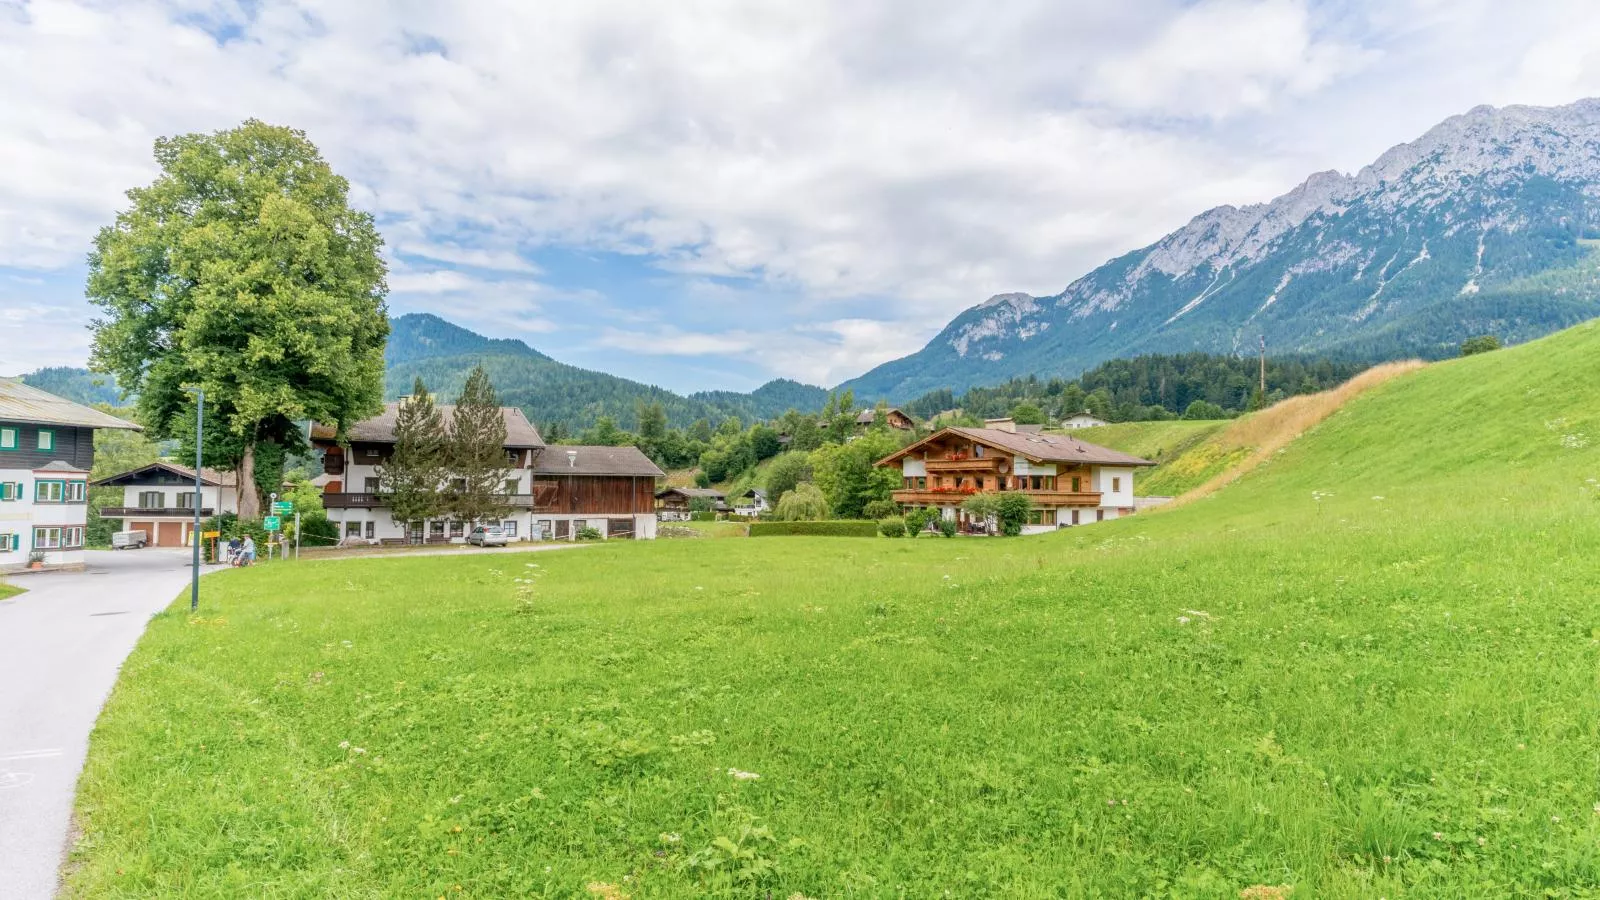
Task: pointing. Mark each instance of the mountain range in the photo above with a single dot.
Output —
(1484, 225)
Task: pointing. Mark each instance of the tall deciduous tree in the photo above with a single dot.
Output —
(477, 455)
(413, 475)
(243, 270)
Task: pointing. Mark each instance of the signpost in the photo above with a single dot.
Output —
(283, 507)
(272, 523)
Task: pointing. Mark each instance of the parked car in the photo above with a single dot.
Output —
(487, 536)
(129, 540)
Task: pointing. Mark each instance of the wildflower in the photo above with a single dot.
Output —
(1555, 818)
(344, 745)
(454, 800)
(1377, 497)
(1438, 835)
(361, 750)
(743, 776)
(1482, 841)
(671, 837)
(1183, 620)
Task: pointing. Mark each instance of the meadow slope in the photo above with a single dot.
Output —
(1367, 668)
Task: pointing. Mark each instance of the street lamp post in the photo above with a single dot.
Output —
(199, 460)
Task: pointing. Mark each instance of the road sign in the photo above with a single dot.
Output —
(283, 506)
(271, 523)
(210, 534)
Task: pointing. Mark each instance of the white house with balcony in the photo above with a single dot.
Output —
(159, 499)
(46, 452)
(554, 492)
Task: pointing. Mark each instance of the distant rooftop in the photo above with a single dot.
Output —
(24, 403)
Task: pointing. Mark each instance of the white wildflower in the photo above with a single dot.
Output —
(1438, 835)
(743, 776)
(1183, 620)
(1378, 497)
(344, 745)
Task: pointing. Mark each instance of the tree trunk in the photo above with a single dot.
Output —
(249, 496)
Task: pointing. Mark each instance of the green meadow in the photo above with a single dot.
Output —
(1368, 668)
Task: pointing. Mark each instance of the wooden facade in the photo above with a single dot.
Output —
(594, 494)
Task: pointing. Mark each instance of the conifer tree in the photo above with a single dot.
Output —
(477, 456)
(413, 476)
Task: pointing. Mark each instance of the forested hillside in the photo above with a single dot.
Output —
(1153, 386)
(554, 393)
(77, 385)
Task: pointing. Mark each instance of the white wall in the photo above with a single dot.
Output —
(385, 528)
(22, 515)
(1102, 479)
(210, 496)
(913, 468)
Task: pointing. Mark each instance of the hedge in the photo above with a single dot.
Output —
(832, 528)
(702, 516)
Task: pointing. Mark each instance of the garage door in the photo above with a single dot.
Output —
(171, 535)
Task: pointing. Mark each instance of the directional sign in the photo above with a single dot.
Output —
(271, 523)
(210, 534)
(283, 506)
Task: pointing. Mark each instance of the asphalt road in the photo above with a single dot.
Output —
(61, 644)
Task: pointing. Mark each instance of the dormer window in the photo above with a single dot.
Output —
(977, 451)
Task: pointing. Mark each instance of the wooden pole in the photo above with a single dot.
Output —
(1263, 368)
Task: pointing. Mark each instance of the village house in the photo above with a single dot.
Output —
(554, 491)
(674, 504)
(46, 452)
(752, 503)
(159, 500)
(1071, 482)
(895, 418)
(1084, 419)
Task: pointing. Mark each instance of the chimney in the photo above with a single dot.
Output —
(572, 459)
(1007, 424)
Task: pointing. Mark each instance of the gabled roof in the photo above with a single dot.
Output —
(25, 403)
(208, 477)
(691, 493)
(59, 465)
(868, 416)
(1042, 448)
(586, 460)
(520, 433)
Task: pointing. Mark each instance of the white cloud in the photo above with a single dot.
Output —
(669, 341)
(820, 152)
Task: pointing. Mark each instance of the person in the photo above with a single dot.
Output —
(248, 551)
(233, 551)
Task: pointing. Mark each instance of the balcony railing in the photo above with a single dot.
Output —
(374, 500)
(963, 464)
(133, 512)
(953, 496)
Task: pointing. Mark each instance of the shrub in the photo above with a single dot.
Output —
(834, 528)
(702, 515)
(892, 527)
(982, 507)
(702, 480)
(947, 527)
(588, 534)
(1012, 509)
(1480, 344)
(880, 509)
(917, 521)
(318, 531)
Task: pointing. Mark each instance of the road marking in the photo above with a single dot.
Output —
(31, 754)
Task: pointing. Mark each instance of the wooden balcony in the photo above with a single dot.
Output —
(954, 498)
(373, 501)
(984, 464)
(134, 512)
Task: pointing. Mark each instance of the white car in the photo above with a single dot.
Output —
(487, 536)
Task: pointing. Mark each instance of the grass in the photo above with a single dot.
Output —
(1366, 668)
(1171, 445)
(676, 530)
(8, 590)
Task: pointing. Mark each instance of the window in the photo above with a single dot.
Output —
(1077, 484)
(1099, 515)
(76, 491)
(352, 529)
(436, 529)
(10, 490)
(8, 440)
(372, 530)
(459, 485)
(8, 543)
(457, 529)
(370, 485)
(1075, 514)
(509, 526)
(72, 538)
(47, 539)
(152, 500)
(1116, 485)
(186, 499)
(47, 439)
(543, 529)
(48, 491)
(977, 451)
(511, 485)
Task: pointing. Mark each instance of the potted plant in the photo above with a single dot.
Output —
(36, 559)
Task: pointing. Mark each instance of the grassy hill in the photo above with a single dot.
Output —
(1170, 445)
(1366, 668)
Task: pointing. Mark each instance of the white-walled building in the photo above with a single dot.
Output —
(554, 492)
(159, 500)
(46, 452)
(1083, 420)
(1070, 482)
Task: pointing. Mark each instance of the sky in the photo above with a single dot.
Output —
(708, 195)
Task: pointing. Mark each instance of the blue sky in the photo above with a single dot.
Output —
(711, 194)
